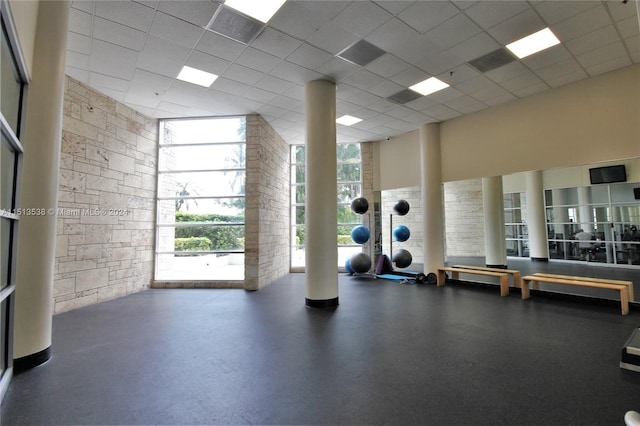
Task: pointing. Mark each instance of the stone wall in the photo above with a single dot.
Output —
(267, 249)
(106, 200)
(464, 218)
(412, 220)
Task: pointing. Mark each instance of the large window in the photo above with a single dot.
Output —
(515, 221)
(349, 180)
(597, 223)
(13, 89)
(201, 199)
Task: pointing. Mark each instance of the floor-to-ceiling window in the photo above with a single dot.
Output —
(201, 199)
(13, 89)
(349, 179)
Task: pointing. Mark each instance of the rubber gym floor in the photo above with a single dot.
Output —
(391, 353)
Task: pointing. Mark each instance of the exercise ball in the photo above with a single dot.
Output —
(402, 258)
(401, 207)
(347, 266)
(401, 233)
(360, 263)
(360, 205)
(360, 234)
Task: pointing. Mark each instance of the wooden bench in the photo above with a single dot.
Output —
(515, 274)
(504, 277)
(580, 281)
(629, 284)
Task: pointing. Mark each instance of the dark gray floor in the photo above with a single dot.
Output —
(389, 354)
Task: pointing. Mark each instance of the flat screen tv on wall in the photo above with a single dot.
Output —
(609, 174)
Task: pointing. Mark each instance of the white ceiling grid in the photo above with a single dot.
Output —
(133, 51)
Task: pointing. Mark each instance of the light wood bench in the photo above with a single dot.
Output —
(515, 274)
(599, 280)
(580, 281)
(504, 277)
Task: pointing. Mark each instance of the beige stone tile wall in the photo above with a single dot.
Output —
(106, 200)
(412, 220)
(267, 249)
(464, 218)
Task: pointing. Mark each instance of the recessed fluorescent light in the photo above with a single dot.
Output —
(262, 10)
(533, 43)
(347, 120)
(429, 86)
(196, 76)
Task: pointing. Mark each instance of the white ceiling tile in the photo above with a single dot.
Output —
(425, 15)
(387, 65)
(476, 84)
(101, 81)
(629, 27)
(593, 40)
(168, 109)
(83, 5)
(363, 79)
(490, 92)
(220, 46)
(393, 6)
(583, 23)
(121, 35)
(382, 105)
(500, 100)
(78, 43)
(205, 62)
(622, 10)
(530, 90)
(273, 84)
(567, 78)
(198, 13)
(156, 83)
(323, 9)
(294, 73)
(558, 10)
(507, 72)
(442, 112)
(439, 63)
(633, 45)
(608, 65)
(295, 20)
(80, 22)
(226, 85)
(602, 54)
(113, 94)
(80, 74)
(488, 13)
(547, 57)
(131, 14)
(162, 57)
(112, 60)
(522, 82)
(338, 69)
(362, 17)
(454, 31)
(287, 103)
(276, 43)
(385, 88)
(175, 30)
(517, 27)
(256, 94)
(567, 67)
(258, 60)
(183, 93)
(474, 47)
(409, 76)
(309, 56)
(332, 38)
(392, 35)
(243, 74)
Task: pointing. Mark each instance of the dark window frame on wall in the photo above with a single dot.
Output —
(14, 81)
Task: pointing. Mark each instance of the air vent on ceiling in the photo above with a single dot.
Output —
(404, 96)
(230, 23)
(492, 60)
(361, 53)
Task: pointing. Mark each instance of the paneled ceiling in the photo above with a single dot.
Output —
(132, 51)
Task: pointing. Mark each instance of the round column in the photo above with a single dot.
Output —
(433, 207)
(321, 247)
(495, 246)
(536, 220)
(37, 234)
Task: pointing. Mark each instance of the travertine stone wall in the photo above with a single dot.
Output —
(464, 218)
(267, 213)
(106, 200)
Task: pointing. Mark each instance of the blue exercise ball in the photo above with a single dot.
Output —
(360, 205)
(360, 234)
(401, 207)
(347, 266)
(360, 263)
(402, 258)
(401, 233)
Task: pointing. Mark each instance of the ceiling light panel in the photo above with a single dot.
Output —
(262, 10)
(196, 76)
(236, 26)
(429, 86)
(347, 120)
(533, 43)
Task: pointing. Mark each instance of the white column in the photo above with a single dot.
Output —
(495, 246)
(536, 220)
(432, 204)
(37, 234)
(321, 248)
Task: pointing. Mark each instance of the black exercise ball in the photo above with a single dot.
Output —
(401, 207)
(402, 258)
(360, 263)
(360, 205)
